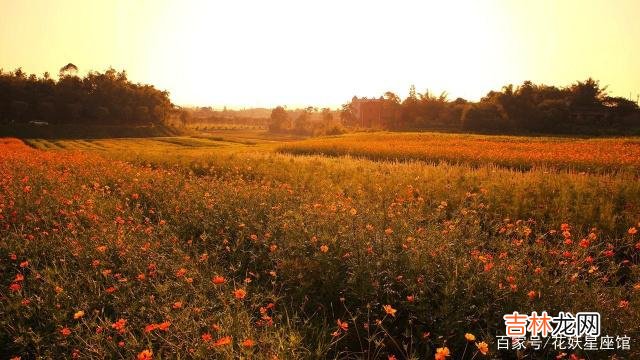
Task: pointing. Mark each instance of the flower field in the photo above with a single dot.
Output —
(210, 248)
(523, 153)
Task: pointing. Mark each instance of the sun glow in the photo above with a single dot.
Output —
(257, 53)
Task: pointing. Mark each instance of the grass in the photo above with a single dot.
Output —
(84, 131)
(153, 239)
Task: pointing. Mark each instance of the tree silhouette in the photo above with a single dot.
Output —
(101, 98)
(279, 120)
(68, 70)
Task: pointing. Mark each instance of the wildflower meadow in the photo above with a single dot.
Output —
(412, 248)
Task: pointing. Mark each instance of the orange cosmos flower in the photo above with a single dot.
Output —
(324, 248)
(120, 325)
(344, 326)
(78, 315)
(15, 287)
(239, 294)
(470, 337)
(483, 347)
(632, 230)
(531, 294)
(181, 272)
(248, 343)
(206, 337)
(65, 331)
(442, 353)
(177, 305)
(164, 326)
(389, 310)
(145, 355)
(223, 341)
(218, 280)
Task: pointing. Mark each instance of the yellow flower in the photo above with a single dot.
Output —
(483, 347)
(78, 315)
(470, 337)
(389, 310)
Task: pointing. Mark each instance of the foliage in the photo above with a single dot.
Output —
(305, 122)
(107, 98)
(583, 107)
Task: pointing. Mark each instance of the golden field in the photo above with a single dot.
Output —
(512, 151)
(232, 245)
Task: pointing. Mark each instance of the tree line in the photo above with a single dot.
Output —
(107, 98)
(308, 121)
(582, 107)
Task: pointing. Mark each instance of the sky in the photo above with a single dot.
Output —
(244, 53)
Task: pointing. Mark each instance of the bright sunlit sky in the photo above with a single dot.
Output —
(265, 53)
